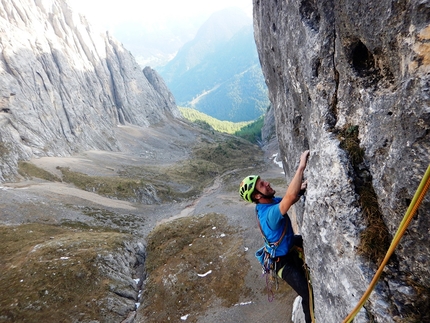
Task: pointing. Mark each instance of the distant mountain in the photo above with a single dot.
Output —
(219, 72)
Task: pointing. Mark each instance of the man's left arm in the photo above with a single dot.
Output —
(292, 194)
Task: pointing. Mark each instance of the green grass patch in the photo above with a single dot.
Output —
(249, 130)
(207, 122)
(252, 131)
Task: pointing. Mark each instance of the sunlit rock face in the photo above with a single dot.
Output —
(64, 87)
(349, 80)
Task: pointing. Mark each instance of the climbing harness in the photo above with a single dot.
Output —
(416, 201)
(269, 261)
(269, 265)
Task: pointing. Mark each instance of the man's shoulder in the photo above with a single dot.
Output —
(263, 206)
(275, 200)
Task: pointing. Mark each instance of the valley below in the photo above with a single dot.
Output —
(154, 233)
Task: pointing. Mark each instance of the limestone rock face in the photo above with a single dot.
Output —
(349, 80)
(64, 87)
(164, 97)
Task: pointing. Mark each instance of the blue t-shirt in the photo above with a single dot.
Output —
(272, 223)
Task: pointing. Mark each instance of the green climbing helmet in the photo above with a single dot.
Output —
(247, 187)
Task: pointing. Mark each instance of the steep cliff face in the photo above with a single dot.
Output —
(64, 87)
(349, 80)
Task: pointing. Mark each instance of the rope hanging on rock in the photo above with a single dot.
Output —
(416, 201)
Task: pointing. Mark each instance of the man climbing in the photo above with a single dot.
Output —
(275, 226)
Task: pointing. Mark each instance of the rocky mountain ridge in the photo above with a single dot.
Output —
(64, 88)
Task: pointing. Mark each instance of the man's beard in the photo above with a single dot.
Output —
(269, 196)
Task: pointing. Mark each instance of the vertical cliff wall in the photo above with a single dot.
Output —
(349, 80)
(64, 87)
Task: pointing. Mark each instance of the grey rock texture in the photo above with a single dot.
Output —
(339, 67)
(64, 87)
(121, 267)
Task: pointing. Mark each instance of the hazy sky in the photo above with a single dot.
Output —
(106, 13)
(153, 30)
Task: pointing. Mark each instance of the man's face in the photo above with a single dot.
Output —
(264, 188)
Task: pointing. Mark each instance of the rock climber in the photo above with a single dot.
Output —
(273, 217)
